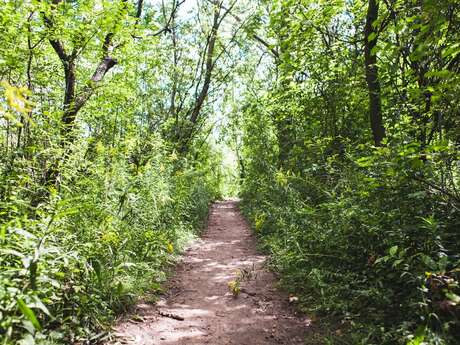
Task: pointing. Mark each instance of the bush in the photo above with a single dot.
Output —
(365, 236)
(90, 249)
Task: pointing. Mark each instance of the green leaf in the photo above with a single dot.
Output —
(439, 74)
(11, 252)
(27, 325)
(372, 36)
(29, 314)
(365, 162)
(419, 336)
(27, 340)
(393, 250)
(417, 340)
(97, 269)
(397, 262)
(453, 297)
(374, 50)
(382, 259)
(39, 305)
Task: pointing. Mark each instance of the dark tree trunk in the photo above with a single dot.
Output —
(372, 73)
(70, 112)
(209, 66)
(210, 60)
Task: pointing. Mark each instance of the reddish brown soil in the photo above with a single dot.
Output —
(199, 294)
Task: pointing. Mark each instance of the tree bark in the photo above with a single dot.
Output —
(209, 65)
(73, 103)
(184, 137)
(372, 73)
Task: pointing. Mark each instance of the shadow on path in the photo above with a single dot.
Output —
(199, 294)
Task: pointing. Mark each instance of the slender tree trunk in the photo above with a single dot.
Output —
(69, 109)
(210, 60)
(209, 66)
(372, 73)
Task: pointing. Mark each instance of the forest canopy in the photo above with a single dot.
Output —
(118, 119)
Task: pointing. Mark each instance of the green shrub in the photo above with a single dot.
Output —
(105, 238)
(361, 237)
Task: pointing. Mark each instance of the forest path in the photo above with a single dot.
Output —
(199, 294)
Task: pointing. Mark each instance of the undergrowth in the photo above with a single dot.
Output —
(359, 238)
(85, 254)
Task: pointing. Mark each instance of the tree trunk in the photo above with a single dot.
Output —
(210, 63)
(372, 73)
(70, 112)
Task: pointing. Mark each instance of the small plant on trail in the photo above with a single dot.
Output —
(242, 274)
(235, 287)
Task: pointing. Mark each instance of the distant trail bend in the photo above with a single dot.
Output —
(199, 307)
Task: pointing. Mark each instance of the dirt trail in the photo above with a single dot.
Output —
(199, 294)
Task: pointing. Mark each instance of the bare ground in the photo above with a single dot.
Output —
(199, 294)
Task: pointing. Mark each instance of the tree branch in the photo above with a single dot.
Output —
(259, 39)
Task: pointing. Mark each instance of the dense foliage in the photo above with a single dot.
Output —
(344, 119)
(104, 175)
(351, 163)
